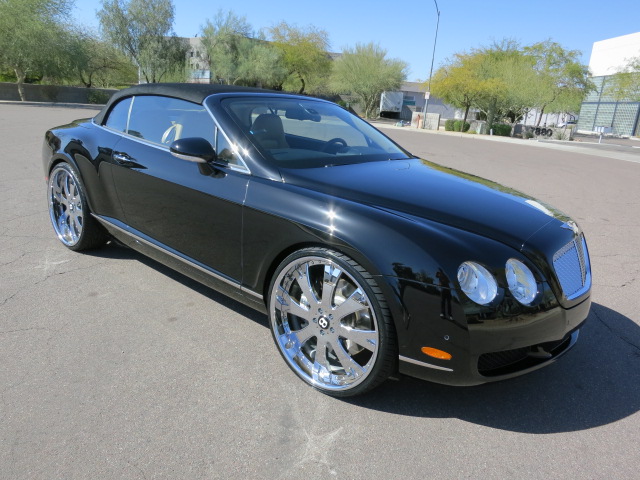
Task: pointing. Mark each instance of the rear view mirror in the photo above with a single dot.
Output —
(301, 113)
(193, 149)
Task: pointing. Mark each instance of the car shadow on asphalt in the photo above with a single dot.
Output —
(116, 251)
(595, 384)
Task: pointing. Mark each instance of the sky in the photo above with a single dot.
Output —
(407, 29)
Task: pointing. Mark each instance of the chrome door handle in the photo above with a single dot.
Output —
(122, 158)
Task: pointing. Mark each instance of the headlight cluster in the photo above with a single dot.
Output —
(521, 281)
(481, 286)
(477, 283)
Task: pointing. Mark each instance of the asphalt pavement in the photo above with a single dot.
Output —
(113, 366)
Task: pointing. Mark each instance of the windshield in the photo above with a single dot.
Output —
(300, 133)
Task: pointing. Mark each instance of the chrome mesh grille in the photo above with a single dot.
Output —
(571, 264)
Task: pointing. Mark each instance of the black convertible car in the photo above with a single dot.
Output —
(367, 260)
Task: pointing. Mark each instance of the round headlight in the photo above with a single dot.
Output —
(477, 283)
(521, 281)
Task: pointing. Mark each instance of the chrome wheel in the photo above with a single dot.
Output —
(66, 207)
(325, 323)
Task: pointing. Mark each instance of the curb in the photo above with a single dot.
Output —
(605, 150)
(92, 106)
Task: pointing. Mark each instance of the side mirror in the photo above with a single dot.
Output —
(193, 149)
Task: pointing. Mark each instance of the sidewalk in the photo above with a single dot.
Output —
(627, 152)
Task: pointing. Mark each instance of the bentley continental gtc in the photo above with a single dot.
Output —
(368, 261)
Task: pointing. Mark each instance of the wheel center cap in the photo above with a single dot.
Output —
(323, 322)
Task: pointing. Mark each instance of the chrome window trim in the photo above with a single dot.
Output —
(183, 259)
(423, 364)
(134, 138)
(126, 126)
(236, 168)
(126, 129)
(266, 94)
(242, 167)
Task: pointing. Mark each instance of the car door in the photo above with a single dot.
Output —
(193, 209)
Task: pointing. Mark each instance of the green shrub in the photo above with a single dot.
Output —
(501, 129)
(7, 76)
(448, 125)
(458, 123)
(559, 134)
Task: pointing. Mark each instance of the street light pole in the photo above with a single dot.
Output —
(426, 103)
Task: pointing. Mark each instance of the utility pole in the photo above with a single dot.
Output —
(428, 94)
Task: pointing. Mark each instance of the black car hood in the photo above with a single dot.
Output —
(423, 189)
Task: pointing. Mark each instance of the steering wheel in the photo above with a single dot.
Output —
(334, 145)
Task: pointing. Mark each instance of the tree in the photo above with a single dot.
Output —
(459, 84)
(102, 65)
(366, 72)
(625, 85)
(508, 81)
(143, 30)
(236, 56)
(93, 62)
(262, 66)
(304, 53)
(222, 40)
(33, 36)
(562, 80)
(504, 80)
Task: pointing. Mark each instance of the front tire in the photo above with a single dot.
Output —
(331, 323)
(69, 211)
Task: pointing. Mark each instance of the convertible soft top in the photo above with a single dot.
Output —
(192, 92)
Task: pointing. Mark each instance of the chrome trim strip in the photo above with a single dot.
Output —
(183, 259)
(252, 293)
(423, 364)
(189, 158)
(135, 139)
(133, 99)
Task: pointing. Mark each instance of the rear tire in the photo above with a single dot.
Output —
(331, 323)
(69, 211)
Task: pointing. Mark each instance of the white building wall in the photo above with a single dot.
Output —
(612, 55)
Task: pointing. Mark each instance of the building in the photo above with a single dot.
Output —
(414, 100)
(599, 108)
(198, 64)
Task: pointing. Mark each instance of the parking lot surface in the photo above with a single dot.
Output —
(114, 366)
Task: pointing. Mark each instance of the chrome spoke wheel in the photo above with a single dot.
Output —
(66, 207)
(324, 323)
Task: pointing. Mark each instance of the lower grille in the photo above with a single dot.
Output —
(494, 360)
(508, 361)
(571, 264)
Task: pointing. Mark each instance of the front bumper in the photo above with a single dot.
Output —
(485, 349)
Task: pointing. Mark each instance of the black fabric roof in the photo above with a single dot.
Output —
(192, 92)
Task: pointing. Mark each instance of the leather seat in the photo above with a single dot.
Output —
(269, 132)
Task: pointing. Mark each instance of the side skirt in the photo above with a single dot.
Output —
(181, 263)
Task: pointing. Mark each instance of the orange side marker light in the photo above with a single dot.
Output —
(435, 353)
